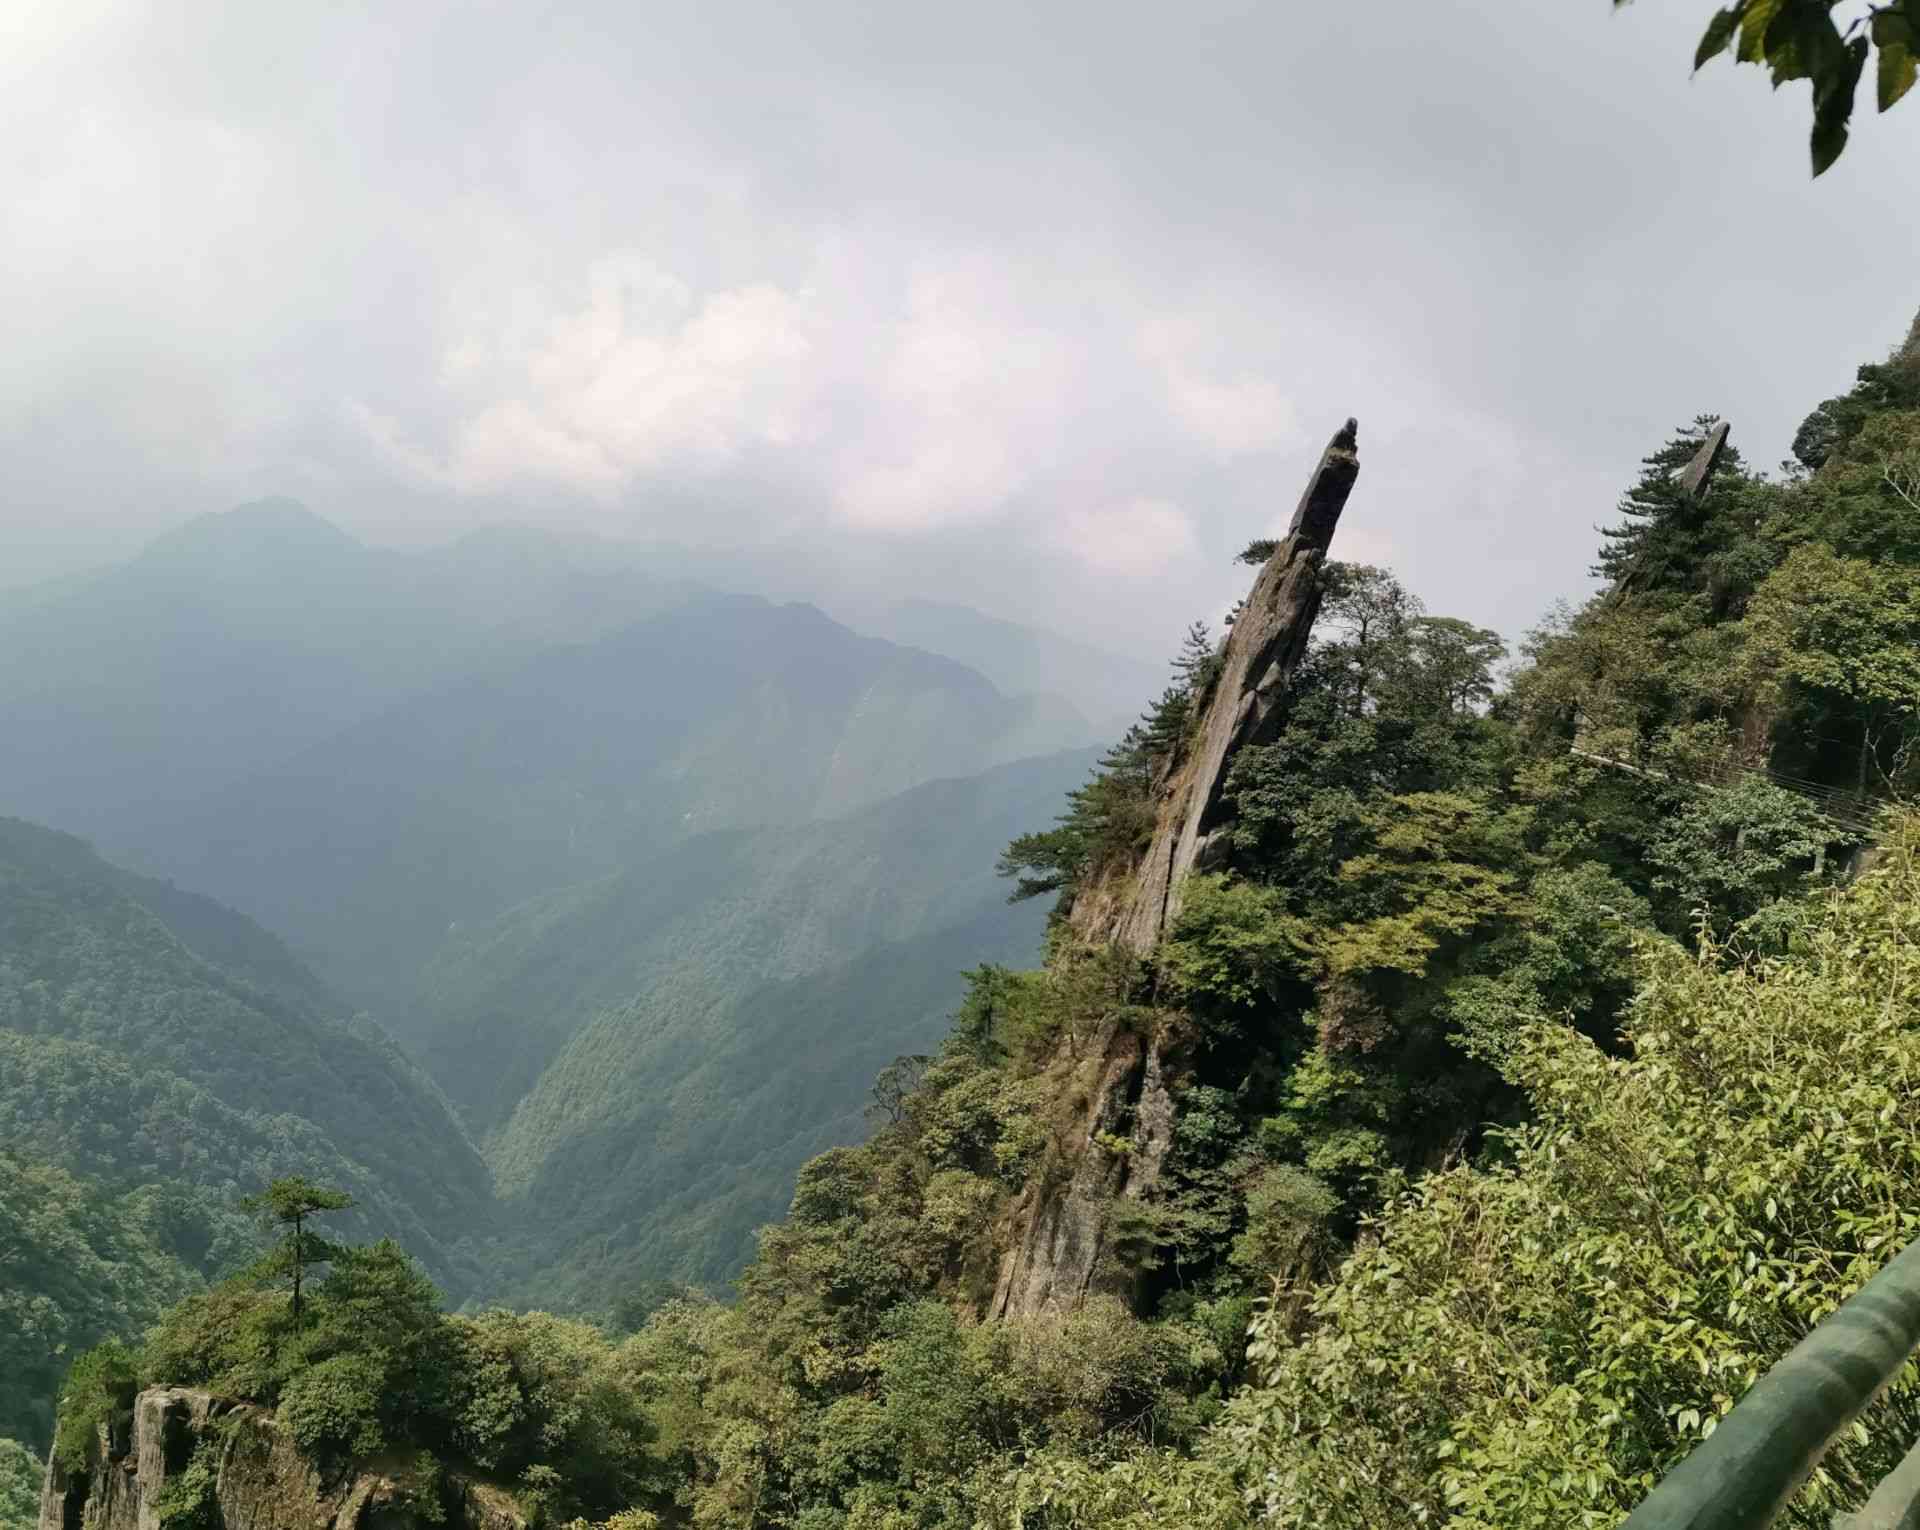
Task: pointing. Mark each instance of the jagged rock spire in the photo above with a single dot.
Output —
(1055, 1233)
(1697, 476)
(1693, 480)
(1266, 643)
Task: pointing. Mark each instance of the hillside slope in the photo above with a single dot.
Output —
(165, 1088)
(651, 1054)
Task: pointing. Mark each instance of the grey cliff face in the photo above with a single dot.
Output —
(262, 1481)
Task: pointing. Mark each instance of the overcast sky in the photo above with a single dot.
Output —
(1046, 307)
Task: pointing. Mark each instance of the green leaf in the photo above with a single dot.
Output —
(1897, 73)
(1892, 26)
(1755, 17)
(1801, 42)
(1719, 33)
(1893, 35)
(1833, 105)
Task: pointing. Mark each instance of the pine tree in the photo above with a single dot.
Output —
(290, 1202)
(1198, 662)
(1663, 537)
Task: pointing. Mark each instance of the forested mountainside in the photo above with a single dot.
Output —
(576, 762)
(710, 919)
(1524, 1340)
(160, 1057)
(649, 1057)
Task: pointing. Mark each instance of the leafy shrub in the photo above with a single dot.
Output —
(189, 1500)
(19, 1487)
(529, 1391)
(99, 1390)
(336, 1406)
(1289, 1213)
(226, 1338)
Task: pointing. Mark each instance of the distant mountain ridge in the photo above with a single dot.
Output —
(603, 847)
(547, 770)
(239, 639)
(1109, 688)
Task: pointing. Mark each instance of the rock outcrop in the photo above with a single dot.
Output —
(1057, 1231)
(1263, 648)
(1697, 476)
(1058, 1227)
(1693, 481)
(250, 1477)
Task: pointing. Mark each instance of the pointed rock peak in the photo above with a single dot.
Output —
(1697, 476)
(1246, 705)
(1326, 492)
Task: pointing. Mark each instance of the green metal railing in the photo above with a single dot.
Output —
(1743, 1474)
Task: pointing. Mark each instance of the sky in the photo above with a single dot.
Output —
(1046, 308)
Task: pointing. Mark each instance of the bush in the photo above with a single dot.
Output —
(1289, 1213)
(531, 1392)
(226, 1339)
(335, 1407)
(19, 1487)
(189, 1500)
(99, 1389)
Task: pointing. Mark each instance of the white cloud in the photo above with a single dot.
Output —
(1137, 539)
(1242, 415)
(902, 394)
(963, 410)
(1229, 410)
(726, 274)
(644, 373)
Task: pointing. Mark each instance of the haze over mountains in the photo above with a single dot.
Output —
(650, 878)
(241, 638)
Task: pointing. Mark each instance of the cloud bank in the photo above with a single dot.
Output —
(1044, 308)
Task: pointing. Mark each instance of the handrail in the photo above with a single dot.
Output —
(1848, 809)
(1742, 1474)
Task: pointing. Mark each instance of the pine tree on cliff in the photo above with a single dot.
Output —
(290, 1202)
(1664, 537)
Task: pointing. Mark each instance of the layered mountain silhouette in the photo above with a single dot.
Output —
(640, 872)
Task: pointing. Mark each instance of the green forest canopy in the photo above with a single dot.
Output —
(1523, 1341)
